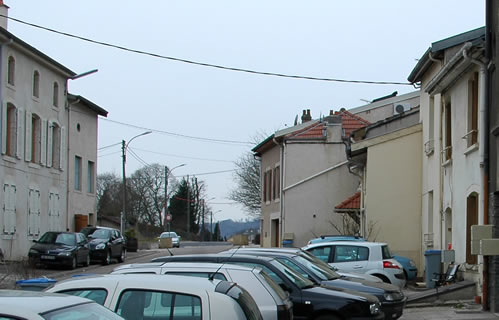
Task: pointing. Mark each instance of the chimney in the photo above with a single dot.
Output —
(4, 11)
(305, 117)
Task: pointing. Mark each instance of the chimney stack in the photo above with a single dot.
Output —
(4, 11)
(306, 116)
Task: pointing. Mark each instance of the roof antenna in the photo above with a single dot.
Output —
(171, 254)
(212, 276)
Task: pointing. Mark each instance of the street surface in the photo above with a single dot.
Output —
(8, 276)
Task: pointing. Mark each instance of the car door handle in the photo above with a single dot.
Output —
(357, 267)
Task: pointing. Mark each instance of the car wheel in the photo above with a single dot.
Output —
(86, 263)
(383, 278)
(121, 258)
(327, 317)
(74, 263)
(107, 259)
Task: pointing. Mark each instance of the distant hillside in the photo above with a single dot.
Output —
(231, 227)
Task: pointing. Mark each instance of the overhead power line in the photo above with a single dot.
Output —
(210, 65)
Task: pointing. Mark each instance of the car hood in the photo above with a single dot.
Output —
(52, 247)
(374, 288)
(338, 293)
(94, 242)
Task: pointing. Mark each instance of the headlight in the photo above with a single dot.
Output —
(393, 296)
(412, 263)
(374, 308)
(100, 246)
(33, 251)
(65, 253)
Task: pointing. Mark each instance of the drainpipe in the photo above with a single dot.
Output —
(484, 157)
(68, 146)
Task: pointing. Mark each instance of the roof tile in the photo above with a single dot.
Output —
(352, 202)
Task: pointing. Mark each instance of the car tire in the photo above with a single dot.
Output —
(383, 278)
(74, 263)
(122, 256)
(327, 317)
(107, 259)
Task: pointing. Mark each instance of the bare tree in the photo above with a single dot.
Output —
(147, 194)
(248, 190)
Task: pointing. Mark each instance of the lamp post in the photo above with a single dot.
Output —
(124, 146)
(167, 175)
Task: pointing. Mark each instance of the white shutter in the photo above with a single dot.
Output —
(4, 128)
(20, 133)
(62, 152)
(49, 143)
(43, 144)
(28, 137)
(38, 212)
(30, 212)
(10, 212)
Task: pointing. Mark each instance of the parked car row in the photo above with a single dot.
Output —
(70, 249)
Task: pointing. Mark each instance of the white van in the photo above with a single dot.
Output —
(151, 296)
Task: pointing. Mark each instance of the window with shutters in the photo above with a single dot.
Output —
(55, 95)
(55, 145)
(34, 205)
(11, 70)
(10, 130)
(9, 208)
(36, 138)
(471, 219)
(36, 84)
(54, 212)
(447, 124)
(472, 127)
(277, 183)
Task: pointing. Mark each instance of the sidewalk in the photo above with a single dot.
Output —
(457, 311)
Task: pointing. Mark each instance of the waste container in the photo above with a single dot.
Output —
(287, 243)
(432, 261)
(36, 284)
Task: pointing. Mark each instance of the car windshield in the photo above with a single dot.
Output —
(88, 231)
(101, 234)
(292, 275)
(168, 235)
(317, 267)
(92, 311)
(58, 238)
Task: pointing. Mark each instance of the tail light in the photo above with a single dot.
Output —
(390, 265)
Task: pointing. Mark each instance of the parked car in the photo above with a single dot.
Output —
(410, 268)
(310, 301)
(272, 301)
(391, 297)
(60, 249)
(106, 244)
(151, 296)
(32, 305)
(173, 235)
(373, 258)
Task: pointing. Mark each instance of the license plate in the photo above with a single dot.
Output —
(48, 257)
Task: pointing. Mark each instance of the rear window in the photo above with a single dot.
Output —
(98, 295)
(386, 252)
(281, 293)
(350, 253)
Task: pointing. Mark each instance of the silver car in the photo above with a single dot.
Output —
(173, 235)
(35, 305)
(149, 296)
(273, 302)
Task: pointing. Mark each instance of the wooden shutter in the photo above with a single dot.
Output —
(62, 151)
(19, 133)
(28, 137)
(49, 143)
(4, 128)
(43, 144)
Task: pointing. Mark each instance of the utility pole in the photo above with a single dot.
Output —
(202, 221)
(188, 207)
(166, 199)
(123, 215)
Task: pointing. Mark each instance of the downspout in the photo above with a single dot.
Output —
(281, 191)
(67, 160)
(484, 157)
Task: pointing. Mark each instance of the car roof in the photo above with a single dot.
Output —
(184, 284)
(198, 257)
(36, 301)
(186, 265)
(352, 243)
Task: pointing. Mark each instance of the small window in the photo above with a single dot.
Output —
(56, 145)
(36, 84)
(277, 183)
(350, 253)
(55, 97)
(472, 134)
(91, 177)
(97, 295)
(11, 70)
(11, 132)
(77, 182)
(321, 253)
(36, 138)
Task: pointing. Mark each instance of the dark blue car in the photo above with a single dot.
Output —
(410, 269)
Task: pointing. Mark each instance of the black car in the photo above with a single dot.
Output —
(310, 301)
(106, 244)
(60, 248)
(391, 297)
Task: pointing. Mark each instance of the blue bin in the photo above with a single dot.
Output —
(432, 261)
(36, 284)
(287, 243)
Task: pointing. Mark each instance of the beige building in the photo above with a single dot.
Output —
(387, 156)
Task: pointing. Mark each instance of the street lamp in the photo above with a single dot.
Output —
(167, 175)
(124, 146)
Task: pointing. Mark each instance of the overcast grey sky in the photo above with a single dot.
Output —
(355, 40)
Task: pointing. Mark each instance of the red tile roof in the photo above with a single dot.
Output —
(351, 122)
(352, 202)
(314, 131)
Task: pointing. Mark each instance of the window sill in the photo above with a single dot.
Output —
(471, 149)
(55, 108)
(34, 165)
(267, 203)
(9, 236)
(35, 98)
(11, 87)
(277, 200)
(10, 159)
(55, 170)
